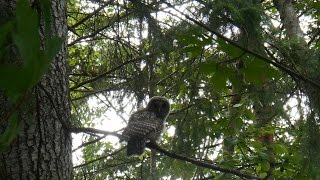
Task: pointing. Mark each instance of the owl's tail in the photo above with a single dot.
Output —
(135, 146)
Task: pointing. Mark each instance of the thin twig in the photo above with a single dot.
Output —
(108, 72)
(100, 158)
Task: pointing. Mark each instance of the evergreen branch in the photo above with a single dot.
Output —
(170, 154)
(108, 166)
(100, 158)
(93, 34)
(265, 59)
(181, 110)
(199, 162)
(94, 92)
(109, 72)
(95, 12)
(88, 143)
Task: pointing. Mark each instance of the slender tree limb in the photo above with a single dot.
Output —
(94, 92)
(200, 163)
(182, 109)
(89, 142)
(95, 12)
(108, 72)
(170, 154)
(99, 158)
(93, 34)
(108, 166)
(93, 130)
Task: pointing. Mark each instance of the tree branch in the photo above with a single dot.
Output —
(93, 130)
(99, 158)
(200, 163)
(170, 154)
(108, 72)
(95, 12)
(267, 60)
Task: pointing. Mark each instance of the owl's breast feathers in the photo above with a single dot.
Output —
(143, 124)
(146, 125)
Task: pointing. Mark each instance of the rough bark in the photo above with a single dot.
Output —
(42, 150)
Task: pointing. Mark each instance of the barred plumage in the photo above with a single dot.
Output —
(146, 125)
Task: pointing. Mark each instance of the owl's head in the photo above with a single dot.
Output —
(160, 106)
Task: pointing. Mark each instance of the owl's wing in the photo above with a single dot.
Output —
(141, 123)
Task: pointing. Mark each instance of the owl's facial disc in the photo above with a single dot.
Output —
(157, 107)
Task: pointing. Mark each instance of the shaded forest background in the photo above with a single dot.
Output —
(242, 77)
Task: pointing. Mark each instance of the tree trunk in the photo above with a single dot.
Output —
(42, 149)
(307, 61)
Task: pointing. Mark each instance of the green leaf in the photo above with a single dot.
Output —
(10, 132)
(194, 50)
(265, 166)
(4, 31)
(263, 155)
(258, 71)
(264, 174)
(219, 74)
(207, 68)
(257, 144)
(26, 36)
(258, 167)
(238, 123)
(13, 79)
(230, 50)
(279, 149)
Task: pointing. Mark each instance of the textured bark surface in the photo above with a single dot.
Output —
(42, 149)
(289, 18)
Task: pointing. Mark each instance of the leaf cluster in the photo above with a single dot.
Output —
(229, 106)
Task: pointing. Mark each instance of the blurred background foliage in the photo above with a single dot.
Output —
(231, 107)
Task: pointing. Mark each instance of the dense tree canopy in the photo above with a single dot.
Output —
(242, 77)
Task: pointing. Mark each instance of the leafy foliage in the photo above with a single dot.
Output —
(20, 75)
(230, 107)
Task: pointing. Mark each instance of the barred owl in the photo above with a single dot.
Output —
(146, 125)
